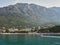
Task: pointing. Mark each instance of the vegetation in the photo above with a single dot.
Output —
(55, 29)
(20, 16)
(14, 21)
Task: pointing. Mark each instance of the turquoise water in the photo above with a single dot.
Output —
(28, 39)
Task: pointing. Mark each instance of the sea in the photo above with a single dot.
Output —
(29, 39)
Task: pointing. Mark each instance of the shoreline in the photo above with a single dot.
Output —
(29, 33)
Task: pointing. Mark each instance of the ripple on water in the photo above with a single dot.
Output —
(56, 43)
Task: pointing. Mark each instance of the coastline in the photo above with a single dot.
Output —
(29, 33)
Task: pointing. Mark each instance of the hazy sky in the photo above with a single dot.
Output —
(46, 3)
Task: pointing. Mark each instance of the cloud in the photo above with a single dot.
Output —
(46, 3)
(16, 1)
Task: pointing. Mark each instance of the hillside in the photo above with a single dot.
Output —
(24, 14)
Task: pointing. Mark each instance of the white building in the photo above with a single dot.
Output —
(3, 31)
(16, 30)
(39, 27)
(12, 30)
(26, 29)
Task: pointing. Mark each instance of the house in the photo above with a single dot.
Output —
(11, 30)
(3, 30)
(26, 29)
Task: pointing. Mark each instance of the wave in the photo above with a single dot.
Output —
(50, 36)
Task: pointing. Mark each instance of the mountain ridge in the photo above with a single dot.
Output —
(28, 14)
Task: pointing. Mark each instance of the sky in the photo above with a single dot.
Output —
(45, 3)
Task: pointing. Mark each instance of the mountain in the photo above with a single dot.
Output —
(24, 14)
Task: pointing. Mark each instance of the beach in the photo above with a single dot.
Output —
(29, 33)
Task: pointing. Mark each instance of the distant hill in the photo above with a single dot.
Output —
(24, 14)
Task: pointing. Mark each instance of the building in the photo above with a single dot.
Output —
(26, 29)
(11, 30)
(3, 30)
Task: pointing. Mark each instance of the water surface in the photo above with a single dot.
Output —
(29, 39)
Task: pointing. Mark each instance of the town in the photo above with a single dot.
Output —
(37, 29)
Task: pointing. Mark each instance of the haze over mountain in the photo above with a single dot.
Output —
(24, 14)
